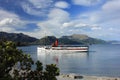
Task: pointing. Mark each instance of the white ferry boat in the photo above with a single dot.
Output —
(62, 48)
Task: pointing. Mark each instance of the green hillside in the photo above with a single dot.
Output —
(75, 39)
(19, 38)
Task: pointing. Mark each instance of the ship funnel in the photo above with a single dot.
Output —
(55, 44)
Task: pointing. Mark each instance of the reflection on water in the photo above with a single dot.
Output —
(102, 60)
(65, 61)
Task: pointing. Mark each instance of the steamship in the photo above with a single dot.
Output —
(62, 48)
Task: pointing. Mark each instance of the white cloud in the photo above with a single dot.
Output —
(59, 15)
(59, 23)
(106, 17)
(41, 3)
(110, 6)
(101, 23)
(75, 24)
(109, 12)
(37, 7)
(10, 22)
(81, 25)
(7, 14)
(86, 2)
(6, 21)
(98, 23)
(53, 26)
(30, 10)
(96, 28)
(68, 24)
(62, 4)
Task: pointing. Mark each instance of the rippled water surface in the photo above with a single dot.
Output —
(101, 60)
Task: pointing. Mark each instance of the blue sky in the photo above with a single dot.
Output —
(37, 18)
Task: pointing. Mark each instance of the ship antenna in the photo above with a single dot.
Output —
(45, 39)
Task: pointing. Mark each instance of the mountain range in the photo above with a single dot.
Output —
(18, 38)
(75, 39)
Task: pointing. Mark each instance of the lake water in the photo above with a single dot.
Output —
(101, 60)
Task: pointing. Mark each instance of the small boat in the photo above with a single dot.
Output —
(62, 48)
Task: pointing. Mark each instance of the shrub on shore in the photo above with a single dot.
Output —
(15, 65)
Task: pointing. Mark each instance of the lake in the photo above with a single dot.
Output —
(101, 60)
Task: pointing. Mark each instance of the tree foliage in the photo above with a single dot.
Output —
(14, 65)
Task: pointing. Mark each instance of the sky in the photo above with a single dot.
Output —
(38, 18)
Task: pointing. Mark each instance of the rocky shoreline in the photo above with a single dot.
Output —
(84, 77)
